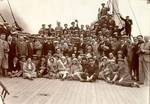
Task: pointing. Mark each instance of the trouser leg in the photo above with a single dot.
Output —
(141, 73)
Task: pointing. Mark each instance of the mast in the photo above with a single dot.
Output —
(17, 25)
(115, 11)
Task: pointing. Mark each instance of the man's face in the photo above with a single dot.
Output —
(91, 61)
(65, 25)
(43, 26)
(84, 61)
(135, 40)
(29, 60)
(49, 26)
(58, 23)
(139, 39)
(3, 36)
(82, 26)
(122, 41)
(23, 59)
(103, 5)
(127, 17)
(73, 24)
(1, 26)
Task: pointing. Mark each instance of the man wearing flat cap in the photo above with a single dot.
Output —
(50, 30)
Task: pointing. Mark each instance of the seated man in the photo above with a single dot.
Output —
(15, 68)
(42, 70)
(29, 70)
(109, 73)
(92, 70)
(123, 76)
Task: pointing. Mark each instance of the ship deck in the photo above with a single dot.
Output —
(45, 91)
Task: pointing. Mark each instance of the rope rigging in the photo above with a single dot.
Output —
(134, 17)
(117, 14)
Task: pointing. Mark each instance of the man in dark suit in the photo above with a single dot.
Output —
(48, 46)
(12, 51)
(65, 30)
(122, 47)
(135, 59)
(128, 25)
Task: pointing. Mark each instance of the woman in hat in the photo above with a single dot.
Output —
(29, 70)
(103, 67)
(52, 67)
(89, 51)
(76, 70)
(63, 73)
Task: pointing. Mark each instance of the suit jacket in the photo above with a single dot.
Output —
(22, 49)
(1, 48)
(12, 51)
(47, 47)
(123, 48)
(128, 23)
(145, 55)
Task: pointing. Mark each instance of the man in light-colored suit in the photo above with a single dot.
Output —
(144, 62)
(1, 54)
(4, 49)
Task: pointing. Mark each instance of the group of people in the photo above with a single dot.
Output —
(102, 51)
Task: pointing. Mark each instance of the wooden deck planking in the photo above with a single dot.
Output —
(45, 91)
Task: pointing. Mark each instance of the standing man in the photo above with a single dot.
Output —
(42, 30)
(12, 52)
(4, 49)
(22, 48)
(104, 10)
(50, 30)
(135, 59)
(58, 29)
(128, 25)
(144, 62)
(65, 28)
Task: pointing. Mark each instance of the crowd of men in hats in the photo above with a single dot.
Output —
(87, 53)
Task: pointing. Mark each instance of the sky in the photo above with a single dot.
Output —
(30, 14)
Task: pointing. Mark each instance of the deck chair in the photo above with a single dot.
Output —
(3, 93)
